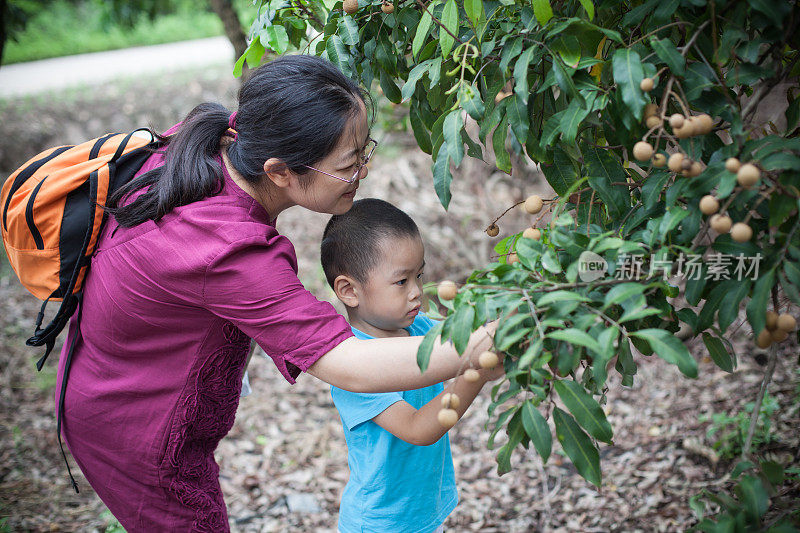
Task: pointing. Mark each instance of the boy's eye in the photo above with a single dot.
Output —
(402, 281)
(419, 276)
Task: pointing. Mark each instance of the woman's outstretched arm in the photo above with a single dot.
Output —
(390, 364)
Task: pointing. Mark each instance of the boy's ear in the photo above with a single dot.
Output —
(345, 289)
(277, 172)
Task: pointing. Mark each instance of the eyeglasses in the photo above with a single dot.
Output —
(363, 159)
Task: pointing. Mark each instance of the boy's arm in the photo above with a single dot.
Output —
(421, 426)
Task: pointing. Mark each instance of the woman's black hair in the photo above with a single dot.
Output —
(294, 108)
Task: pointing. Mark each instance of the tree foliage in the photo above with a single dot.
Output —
(561, 83)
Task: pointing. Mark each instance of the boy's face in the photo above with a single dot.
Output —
(391, 298)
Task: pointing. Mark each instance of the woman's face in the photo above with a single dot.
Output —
(326, 194)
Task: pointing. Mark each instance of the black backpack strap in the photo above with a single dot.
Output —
(63, 393)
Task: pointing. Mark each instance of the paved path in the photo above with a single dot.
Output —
(21, 79)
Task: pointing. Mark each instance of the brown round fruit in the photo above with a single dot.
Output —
(771, 320)
(512, 258)
(748, 175)
(493, 230)
(676, 121)
(687, 130)
(350, 6)
(708, 205)
(650, 110)
(447, 290)
(647, 85)
(779, 335)
(532, 233)
(652, 121)
(450, 400)
(642, 151)
(675, 162)
(488, 359)
(448, 418)
(704, 124)
(786, 322)
(695, 169)
(472, 375)
(764, 339)
(732, 164)
(721, 223)
(741, 232)
(659, 160)
(387, 8)
(686, 164)
(533, 204)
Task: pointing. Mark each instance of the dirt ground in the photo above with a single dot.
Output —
(284, 463)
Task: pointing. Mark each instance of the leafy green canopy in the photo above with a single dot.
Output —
(561, 83)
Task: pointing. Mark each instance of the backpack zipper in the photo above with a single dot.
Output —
(37, 237)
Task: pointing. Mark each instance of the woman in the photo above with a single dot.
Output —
(190, 267)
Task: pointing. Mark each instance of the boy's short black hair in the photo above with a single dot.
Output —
(350, 243)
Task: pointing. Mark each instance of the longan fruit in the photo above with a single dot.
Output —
(764, 339)
(387, 8)
(650, 110)
(493, 230)
(647, 85)
(512, 258)
(779, 335)
(676, 121)
(652, 121)
(721, 223)
(771, 320)
(659, 160)
(687, 130)
(741, 232)
(748, 175)
(472, 375)
(642, 151)
(703, 124)
(675, 162)
(732, 164)
(786, 322)
(533, 204)
(447, 290)
(450, 400)
(708, 205)
(695, 169)
(350, 6)
(448, 418)
(686, 164)
(488, 359)
(532, 233)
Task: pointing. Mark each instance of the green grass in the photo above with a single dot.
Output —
(66, 28)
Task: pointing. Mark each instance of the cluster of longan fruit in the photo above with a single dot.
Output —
(777, 329)
(682, 127)
(532, 205)
(448, 416)
(747, 176)
(351, 6)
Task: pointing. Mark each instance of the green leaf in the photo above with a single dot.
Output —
(516, 432)
(568, 47)
(550, 262)
(585, 409)
(277, 39)
(348, 30)
(426, 346)
(575, 336)
(517, 113)
(254, 53)
(622, 292)
(628, 73)
(471, 103)
(442, 176)
(537, 429)
(718, 353)
(560, 296)
(729, 306)
(757, 306)
(450, 22)
(462, 327)
(604, 169)
(453, 124)
(239, 65)
(666, 51)
(572, 118)
(521, 75)
(561, 175)
(502, 158)
(390, 90)
(753, 496)
(652, 188)
(578, 447)
(423, 28)
(413, 77)
(669, 348)
(589, 7)
(338, 55)
(474, 10)
(542, 11)
(420, 132)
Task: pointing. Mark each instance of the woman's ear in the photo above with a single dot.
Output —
(277, 172)
(346, 290)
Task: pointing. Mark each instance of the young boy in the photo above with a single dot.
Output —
(401, 470)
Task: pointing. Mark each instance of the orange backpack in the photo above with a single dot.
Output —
(52, 215)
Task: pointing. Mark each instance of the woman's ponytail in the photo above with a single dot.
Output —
(190, 172)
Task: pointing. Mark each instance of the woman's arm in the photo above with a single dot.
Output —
(390, 364)
(421, 427)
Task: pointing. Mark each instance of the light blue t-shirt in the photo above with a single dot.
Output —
(394, 486)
